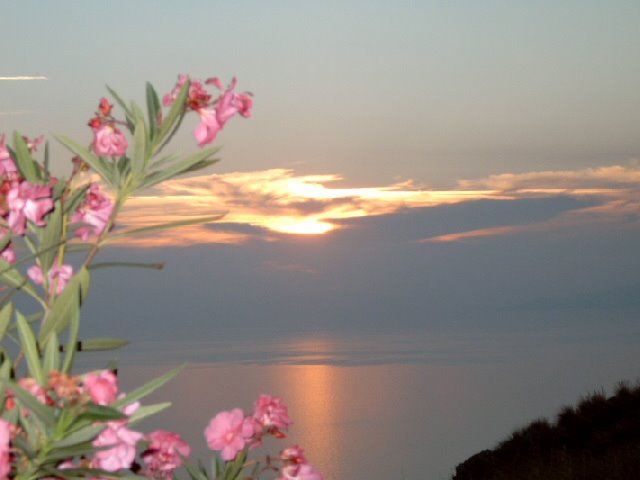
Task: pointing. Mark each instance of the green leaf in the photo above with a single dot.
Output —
(30, 348)
(99, 344)
(153, 266)
(140, 139)
(76, 197)
(13, 278)
(153, 110)
(45, 164)
(147, 388)
(165, 226)
(73, 451)
(44, 413)
(194, 472)
(50, 237)
(5, 370)
(172, 157)
(84, 434)
(122, 103)
(65, 305)
(72, 341)
(99, 413)
(52, 355)
(5, 240)
(234, 469)
(101, 167)
(173, 118)
(26, 164)
(181, 166)
(147, 411)
(5, 318)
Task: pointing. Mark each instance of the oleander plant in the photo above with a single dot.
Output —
(57, 422)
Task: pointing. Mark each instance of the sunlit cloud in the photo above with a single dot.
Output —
(270, 204)
(277, 202)
(15, 112)
(618, 188)
(23, 78)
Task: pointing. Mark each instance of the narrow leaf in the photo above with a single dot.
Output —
(146, 411)
(147, 388)
(99, 344)
(50, 237)
(153, 266)
(194, 472)
(121, 102)
(25, 163)
(96, 163)
(30, 348)
(13, 278)
(44, 413)
(181, 166)
(5, 318)
(85, 434)
(153, 110)
(176, 112)
(45, 164)
(74, 330)
(65, 305)
(52, 355)
(72, 203)
(138, 161)
(165, 226)
(99, 413)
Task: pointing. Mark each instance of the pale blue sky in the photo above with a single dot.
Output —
(433, 91)
(535, 102)
(378, 92)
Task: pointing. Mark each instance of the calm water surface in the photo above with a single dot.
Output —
(385, 406)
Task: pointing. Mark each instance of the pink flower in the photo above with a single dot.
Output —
(229, 432)
(229, 103)
(208, 128)
(102, 387)
(122, 441)
(7, 254)
(34, 388)
(7, 165)
(109, 141)
(271, 412)
(94, 211)
(5, 439)
(197, 99)
(300, 472)
(213, 114)
(293, 455)
(28, 201)
(58, 276)
(32, 145)
(164, 453)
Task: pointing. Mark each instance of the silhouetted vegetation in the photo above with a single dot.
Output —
(599, 439)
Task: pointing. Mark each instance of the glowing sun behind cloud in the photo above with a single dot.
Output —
(269, 203)
(276, 201)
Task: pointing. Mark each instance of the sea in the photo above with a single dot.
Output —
(381, 405)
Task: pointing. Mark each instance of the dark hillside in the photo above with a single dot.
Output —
(599, 439)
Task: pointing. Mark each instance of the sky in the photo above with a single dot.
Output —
(432, 186)
(408, 165)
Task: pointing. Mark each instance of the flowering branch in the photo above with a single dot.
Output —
(55, 423)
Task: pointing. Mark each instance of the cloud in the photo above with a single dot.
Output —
(279, 202)
(15, 112)
(617, 187)
(24, 78)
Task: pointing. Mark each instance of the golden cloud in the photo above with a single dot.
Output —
(277, 201)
